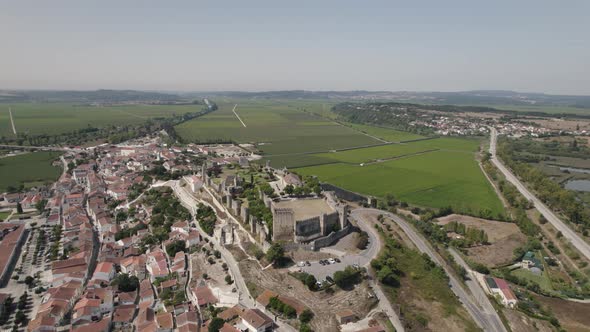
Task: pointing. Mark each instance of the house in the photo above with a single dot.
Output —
(291, 179)
(104, 272)
(499, 287)
(104, 325)
(195, 182)
(529, 261)
(203, 295)
(180, 226)
(187, 321)
(127, 298)
(165, 322)
(256, 321)
(345, 316)
(123, 316)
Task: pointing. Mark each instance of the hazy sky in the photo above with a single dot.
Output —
(536, 45)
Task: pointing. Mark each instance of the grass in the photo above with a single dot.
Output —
(278, 127)
(4, 215)
(542, 280)
(57, 118)
(422, 281)
(28, 168)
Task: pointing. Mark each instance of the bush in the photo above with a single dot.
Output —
(275, 253)
(228, 279)
(363, 240)
(347, 278)
(306, 316)
(310, 281)
(216, 324)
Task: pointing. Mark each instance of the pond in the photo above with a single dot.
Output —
(578, 185)
(573, 169)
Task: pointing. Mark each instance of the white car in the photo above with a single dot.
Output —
(301, 264)
(332, 261)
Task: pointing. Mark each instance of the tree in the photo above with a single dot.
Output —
(228, 279)
(126, 283)
(19, 208)
(275, 253)
(310, 281)
(306, 316)
(216, 324)
(175, 247)
(345, 279)
(289, 189)
(40, 206)
(29, 281)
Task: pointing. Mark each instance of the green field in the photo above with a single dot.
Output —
(280, 127)
(387, 134)
(28, 169)
(57, 118)
(448, 175)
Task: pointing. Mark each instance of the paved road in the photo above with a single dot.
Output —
(485, 320)
(478, 293)
(567, 232)
(376, 245)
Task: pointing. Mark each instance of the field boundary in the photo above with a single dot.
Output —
(237, 116)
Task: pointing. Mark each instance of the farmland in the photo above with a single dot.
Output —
(58, 118)
(278, 127)
(387, 134)
(435, 179)
(433, 172)
(28, 169)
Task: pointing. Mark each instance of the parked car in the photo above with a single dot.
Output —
(301, 264)
(337, 260)
(307, 263)
(329, 279)
(322, 262)
(332, 261)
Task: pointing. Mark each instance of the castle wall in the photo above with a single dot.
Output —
(282, 224)
(307, 230)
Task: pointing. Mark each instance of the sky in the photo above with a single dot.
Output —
(451, 45)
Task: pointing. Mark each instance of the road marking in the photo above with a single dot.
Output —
(237, 116)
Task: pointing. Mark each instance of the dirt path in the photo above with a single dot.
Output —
(324, 305)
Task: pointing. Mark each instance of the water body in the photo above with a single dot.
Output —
(578, 185)
(573, 169)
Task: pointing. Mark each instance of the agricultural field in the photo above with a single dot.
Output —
(435, 179)
(57, 118)
(388, 134)
(278, 127)
(28, 169)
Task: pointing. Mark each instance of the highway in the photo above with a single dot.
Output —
(561, 226)
(489, 321)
